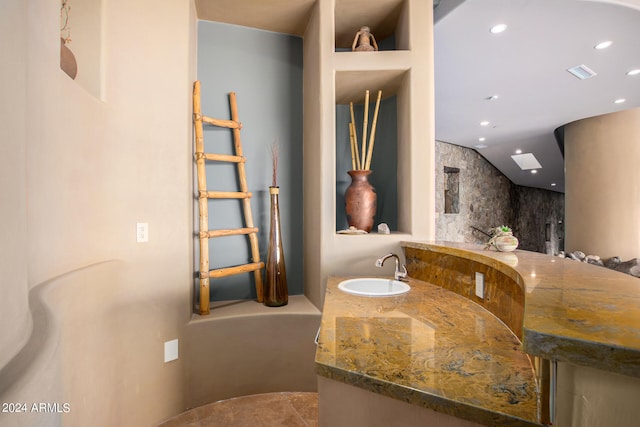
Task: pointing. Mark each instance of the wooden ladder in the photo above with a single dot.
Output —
(204, 195)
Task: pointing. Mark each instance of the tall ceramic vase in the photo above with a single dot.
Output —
(360, 201)
(275, 288)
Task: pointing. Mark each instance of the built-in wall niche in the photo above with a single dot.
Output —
(351, 87)
(451, 190)
(81, 43)
(387, 20)
(384, 161)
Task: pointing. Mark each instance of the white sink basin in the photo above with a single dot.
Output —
(373, 287)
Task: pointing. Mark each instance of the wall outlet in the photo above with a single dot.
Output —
(142, 232)
(479, 285)
(170, 350)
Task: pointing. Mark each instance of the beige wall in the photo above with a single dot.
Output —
(247, 348)
(602, 197)
(313, 210)
(15, 321)
(590, 397)
(77, 174)
(342, 404)
(326, 252)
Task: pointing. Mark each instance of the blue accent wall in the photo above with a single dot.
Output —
(265, 71)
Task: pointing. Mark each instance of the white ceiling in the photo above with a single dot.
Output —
(526, 66)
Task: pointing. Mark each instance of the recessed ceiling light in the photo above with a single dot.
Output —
(481, 146)
(492, 98)
(518, 151)
(534, 171)
(497, 29)
(484, 123)
(553, 184)
(633, 72)
(603, 45)
(619, 101)
(482, 139)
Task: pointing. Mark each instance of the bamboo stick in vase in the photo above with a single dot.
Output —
(355, 136)
(353, 147)
(372, 137)
(364, 126)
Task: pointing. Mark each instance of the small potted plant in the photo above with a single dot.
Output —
(502, 239)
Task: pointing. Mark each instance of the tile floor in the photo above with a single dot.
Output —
(289, 409)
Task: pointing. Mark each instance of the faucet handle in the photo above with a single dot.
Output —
(401, 275)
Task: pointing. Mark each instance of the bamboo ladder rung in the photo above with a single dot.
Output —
(231, 271)
(224, 158)
(230, 124)
(228, 232)
(227, 194)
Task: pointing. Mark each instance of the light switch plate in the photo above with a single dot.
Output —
(170, 350)
(479, 285)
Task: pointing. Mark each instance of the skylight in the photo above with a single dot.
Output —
(582, 71)
(526, 161)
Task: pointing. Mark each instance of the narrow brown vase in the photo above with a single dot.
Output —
(360, 201)
(276, 293)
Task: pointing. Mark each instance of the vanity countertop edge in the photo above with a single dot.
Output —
(573, 311)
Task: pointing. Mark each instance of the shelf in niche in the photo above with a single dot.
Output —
(351, 85)
(375, 234)
(397, 60)
(286, 17)
(382, 16)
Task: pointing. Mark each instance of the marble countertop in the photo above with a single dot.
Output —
(429, 347)
(573, 312)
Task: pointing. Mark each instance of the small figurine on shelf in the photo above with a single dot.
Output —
(363, 41)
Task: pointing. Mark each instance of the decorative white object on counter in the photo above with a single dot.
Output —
(502, 239)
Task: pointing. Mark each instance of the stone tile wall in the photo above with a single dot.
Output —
(488, 199)
(539, 219)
